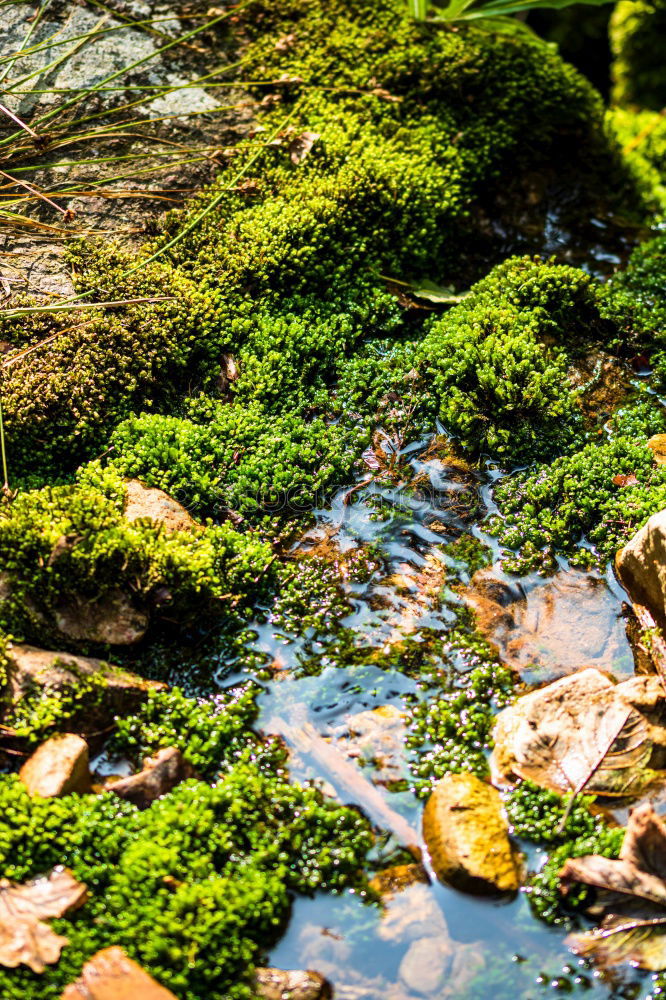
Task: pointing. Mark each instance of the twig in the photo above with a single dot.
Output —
(15, 118)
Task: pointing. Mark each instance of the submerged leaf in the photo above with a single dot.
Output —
(581, 731)
(630, 893)
(24, 938)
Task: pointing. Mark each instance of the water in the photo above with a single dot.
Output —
(428, 939)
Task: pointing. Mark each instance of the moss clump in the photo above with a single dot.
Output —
(557, 507)
(636, 33)
(230, 457)
(195, 887)
(451, 732)
(642, 135)
(66, 544)
(212, 733)
(536, 815)
(60, 400)
(637, 296)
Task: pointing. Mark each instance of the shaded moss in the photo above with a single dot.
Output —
(636, 33)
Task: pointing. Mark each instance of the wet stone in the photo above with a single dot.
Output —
(156, 506)
(291, 984)
(641, 566)
(111, 975)
(58, 767)
(114, 620)
(160, 774)
(467, 837)
(117, 691)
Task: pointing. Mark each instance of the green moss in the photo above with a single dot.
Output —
(558, 506)
(60, 544)
(230, 457)
(451, 731)
(642, 135)
(212, 733)
(636, 34)
(42, 712)
(637, 295)
(195, 887)
(536, 815)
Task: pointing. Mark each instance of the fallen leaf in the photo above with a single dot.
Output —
(300, 146)
(623, 480)
(431, 292)
(385, 95)
(630, 894)
(24, 938)
(370, 459)
(581, 731)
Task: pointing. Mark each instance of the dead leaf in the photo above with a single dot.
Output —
(622, 480)
(300, 147)
(581, 731)
(384, 95)
(630, 894)
(24, 938)
(285, 43)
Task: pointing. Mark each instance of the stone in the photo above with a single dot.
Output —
(391, 880)
(160, 774)
(58, 767)
(111, 975)
(377, 736)
(641, 567)
(657, 445)
(468, 838)
(291, 984)
(156, 506)
(425, 964)
(118, 692)
(114, 620)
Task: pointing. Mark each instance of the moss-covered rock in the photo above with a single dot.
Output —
(636, 33)
(69, 556)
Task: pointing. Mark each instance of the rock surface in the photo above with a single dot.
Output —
(56, 672)
(58, 767)
(641, 566)
(157, 506)
(114, 620)
(291, 984)
(160, 774)
(468, 838)
(657, 445)
(111, 975)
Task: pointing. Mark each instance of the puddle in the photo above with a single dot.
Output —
(338, 697)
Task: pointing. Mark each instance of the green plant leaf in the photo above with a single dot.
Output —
(470, 10)
(431, 292)
(418, 9)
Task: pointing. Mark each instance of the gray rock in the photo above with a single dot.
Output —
(58, 767)
(160, 774)
(291, 984)
(54, 672)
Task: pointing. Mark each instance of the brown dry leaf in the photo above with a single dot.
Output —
(630, 894)
(24, 938)
(300, 146)
(625, 479)
(580, 731)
